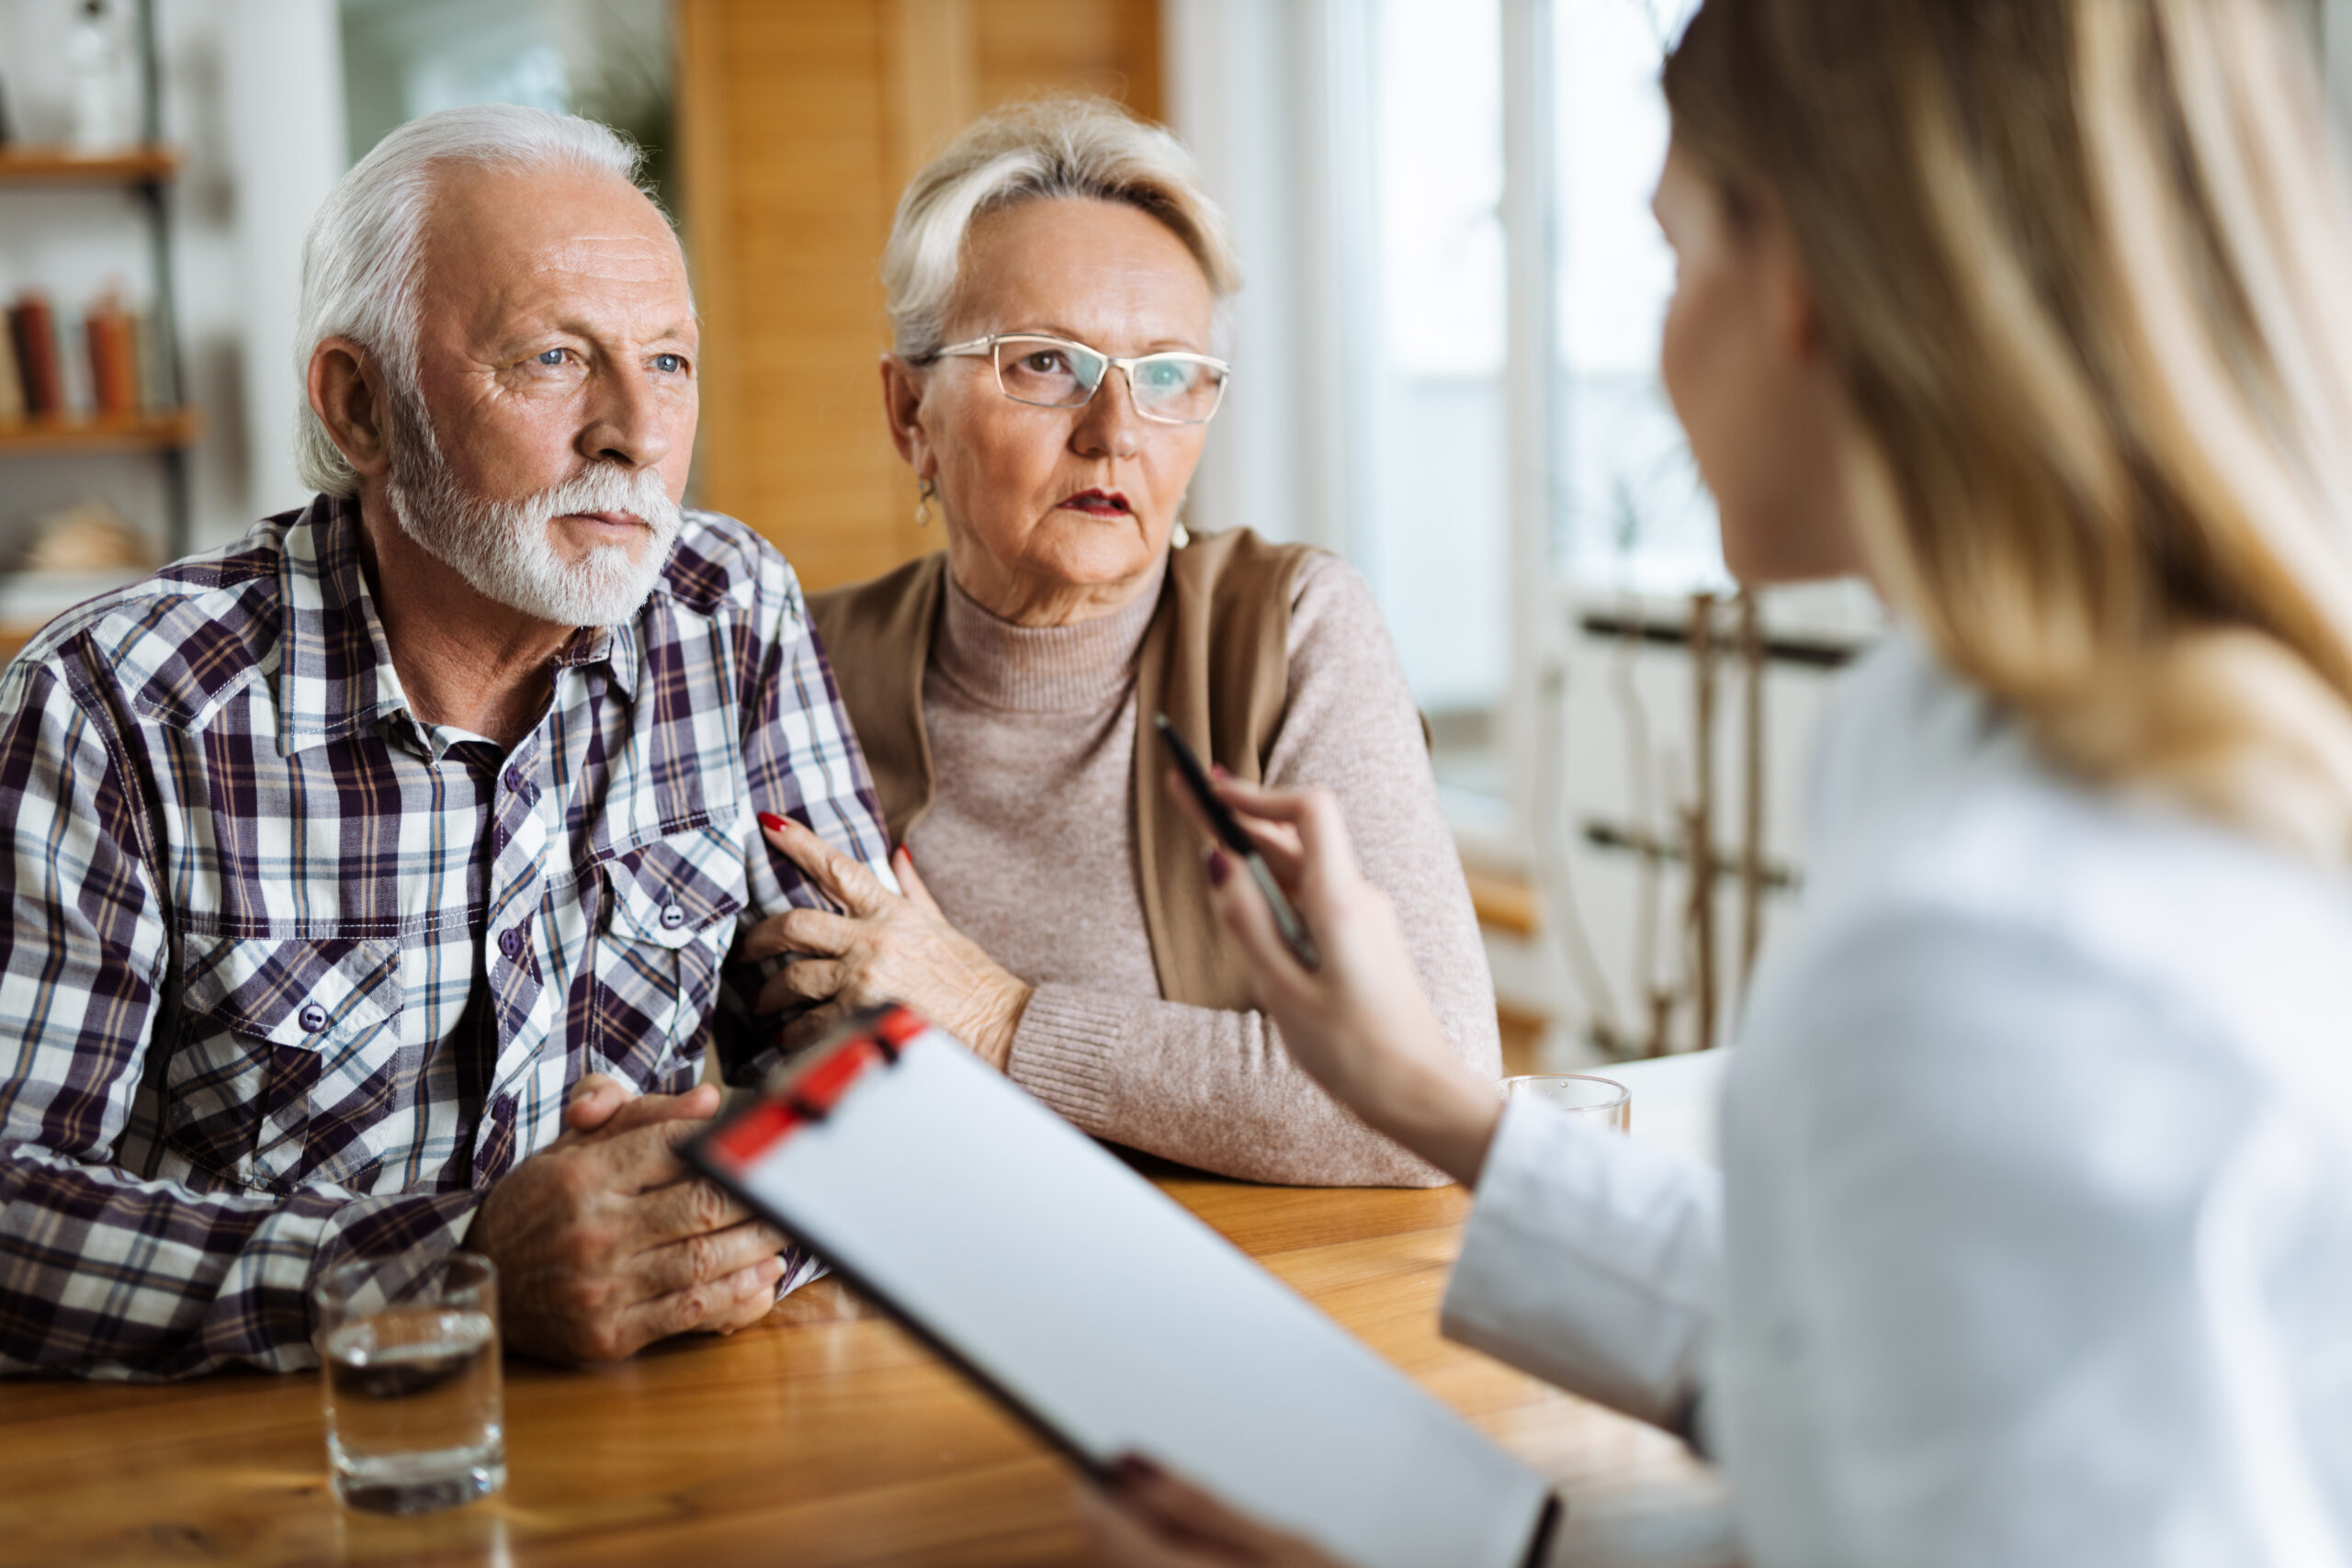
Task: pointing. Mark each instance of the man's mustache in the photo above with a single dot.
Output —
(606, 488)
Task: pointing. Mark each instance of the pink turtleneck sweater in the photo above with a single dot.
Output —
(1029, 847)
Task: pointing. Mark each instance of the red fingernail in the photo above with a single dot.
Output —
(771, 821)
(1219, 867)
(1220, 771)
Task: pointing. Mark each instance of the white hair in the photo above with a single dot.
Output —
(360, 259)
(1071, 147)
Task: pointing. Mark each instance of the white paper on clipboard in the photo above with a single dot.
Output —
(1102, 1312)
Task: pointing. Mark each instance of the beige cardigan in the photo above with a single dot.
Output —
(1020, 767)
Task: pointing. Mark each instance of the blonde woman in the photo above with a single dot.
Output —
(2033, 1242)
(1055, 280)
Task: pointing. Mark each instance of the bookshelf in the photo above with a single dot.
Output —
(62, 165)
(139, 432)
(145, 173)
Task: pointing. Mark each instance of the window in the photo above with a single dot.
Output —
(1432, 527)
(1450, 375)
(1425, 257)
(1629, 510)
(1457, 290)
(609, 60)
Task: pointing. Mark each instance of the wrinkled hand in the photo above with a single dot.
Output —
(603, 1242)
(1149, 1518)
(887, 948)
(600, 1102)
(1360, 1025)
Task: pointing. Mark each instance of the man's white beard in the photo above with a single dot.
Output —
(503, 549)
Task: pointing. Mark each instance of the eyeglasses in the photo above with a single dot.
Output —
(1055, 373)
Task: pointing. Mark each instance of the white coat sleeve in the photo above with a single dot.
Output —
(1591, 1262)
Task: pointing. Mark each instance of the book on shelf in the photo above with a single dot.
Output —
(109, 362)
(114, 358)
(73, 364)
(34, 331)
(12, 385)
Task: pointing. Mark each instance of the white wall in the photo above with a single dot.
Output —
(252, 95)
(285, 87)
(1234, 80)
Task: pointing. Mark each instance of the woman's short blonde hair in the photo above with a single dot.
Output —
(1070, 148)
(2081, 266)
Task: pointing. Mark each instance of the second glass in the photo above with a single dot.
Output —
(1603, 1101)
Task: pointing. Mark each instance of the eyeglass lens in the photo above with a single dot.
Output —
(1064, 375)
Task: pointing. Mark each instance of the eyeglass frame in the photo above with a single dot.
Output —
(986, 348)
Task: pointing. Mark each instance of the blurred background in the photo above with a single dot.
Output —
(1445, 351)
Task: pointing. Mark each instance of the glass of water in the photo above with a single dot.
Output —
(1603, 1101)
(415, 1408)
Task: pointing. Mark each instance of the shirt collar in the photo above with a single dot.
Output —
(616, 648)
(335, 676)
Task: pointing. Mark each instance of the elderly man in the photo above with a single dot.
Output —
(376, 877)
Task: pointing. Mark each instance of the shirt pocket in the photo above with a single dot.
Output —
(669, 914)
(279, 1036)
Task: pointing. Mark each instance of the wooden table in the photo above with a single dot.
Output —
(824, 1436)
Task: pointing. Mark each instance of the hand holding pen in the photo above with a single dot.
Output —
(1357, 1019)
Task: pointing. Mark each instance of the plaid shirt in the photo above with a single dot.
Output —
(291, 976)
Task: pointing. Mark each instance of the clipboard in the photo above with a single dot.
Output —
(1101, 1311)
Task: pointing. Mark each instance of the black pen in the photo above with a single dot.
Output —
(1286, 918)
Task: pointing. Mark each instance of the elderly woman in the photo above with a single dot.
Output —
(1054, 279)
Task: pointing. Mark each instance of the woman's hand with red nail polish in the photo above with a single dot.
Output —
(884, 945)
(1359, 1024)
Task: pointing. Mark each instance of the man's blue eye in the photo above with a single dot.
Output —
(552, 356)
(669, 362)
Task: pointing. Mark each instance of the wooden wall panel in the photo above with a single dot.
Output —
(801, 121)
(1111, 47)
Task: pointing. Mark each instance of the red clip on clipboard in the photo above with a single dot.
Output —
(1103, 1312)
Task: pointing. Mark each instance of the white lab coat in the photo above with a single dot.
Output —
(2033, 1239)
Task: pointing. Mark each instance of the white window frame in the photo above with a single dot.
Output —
(1529, 384)
(1263, 94)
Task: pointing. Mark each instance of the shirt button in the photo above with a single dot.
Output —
(672, 917)
(312, 1018)
(510, 941)
(514, 780)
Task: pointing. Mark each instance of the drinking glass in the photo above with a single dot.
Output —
(415, 1408)
(1603, 1100)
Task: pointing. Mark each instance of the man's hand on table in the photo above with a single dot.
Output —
(606, 1243)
